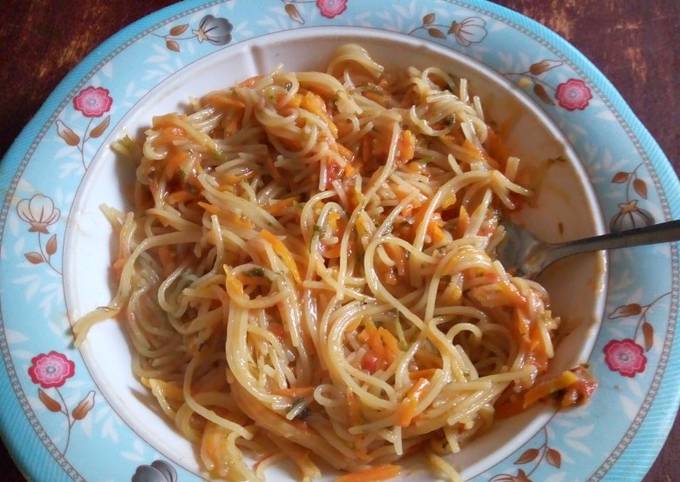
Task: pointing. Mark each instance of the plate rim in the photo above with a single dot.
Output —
(20, 438)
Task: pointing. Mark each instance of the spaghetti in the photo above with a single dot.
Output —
(308, 272)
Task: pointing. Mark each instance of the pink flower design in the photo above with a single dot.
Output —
(93, 101)
(573, 94)
(331, 8)
(625, 356)
(51, 370)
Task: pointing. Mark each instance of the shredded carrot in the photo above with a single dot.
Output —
(228, 180)
(333, 217)
(398, 255)
(435, 231)
(479, 153)
(419, 217)
(213, 442)
(463, 222)
(409, 209)
(290, 144)
(168, 135)
(537, 348)
(169, 390)
(375, 343)
(515, 297)
(407, 146)
(330, 251)
(239, 220)
(179, 196)
(210, 208)
(294, 101)
(414, 166)
(407, 408)
(354, 409)
(222, 101)
(250, 81)
(315, 104)
(548, 387)
(174, 161)
(375, 97)
(283, 252)
(344, 152)
(391, 344)
(449, 200)
(426, 358)
(166, 120)
(426, 373)
(509, 407)
(232, 125)
(295, 392)
(232, 283)
(277, 208)
(373, 474)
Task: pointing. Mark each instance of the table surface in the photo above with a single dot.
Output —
(633, 43)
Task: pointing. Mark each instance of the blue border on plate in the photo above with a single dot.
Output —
(21, 440)
(637, 458)
(31, 454)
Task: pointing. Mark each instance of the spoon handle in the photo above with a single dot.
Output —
(657, 233)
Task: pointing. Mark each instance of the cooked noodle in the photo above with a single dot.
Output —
(308, 271)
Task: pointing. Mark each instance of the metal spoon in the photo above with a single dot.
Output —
(523, 254)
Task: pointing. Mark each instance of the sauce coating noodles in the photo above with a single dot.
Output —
(308, 271)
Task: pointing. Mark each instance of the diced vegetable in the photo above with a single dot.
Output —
(374, 474)
(407, 409)
(283, 252)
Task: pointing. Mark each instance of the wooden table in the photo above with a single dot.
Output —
(40, 41)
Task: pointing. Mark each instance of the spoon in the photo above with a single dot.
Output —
(523, 254)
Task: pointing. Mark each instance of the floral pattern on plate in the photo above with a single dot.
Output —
(50, 371)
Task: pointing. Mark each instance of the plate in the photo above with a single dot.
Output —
(565, 207)
(76, 415)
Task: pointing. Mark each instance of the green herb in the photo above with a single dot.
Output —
(301, 408)
(255, 272)
(219, 155)
(403, 344)
(316, 231)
